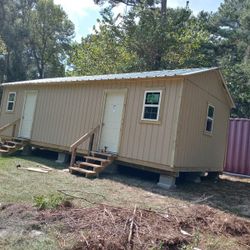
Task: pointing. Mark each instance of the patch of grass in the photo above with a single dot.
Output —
(51, 201)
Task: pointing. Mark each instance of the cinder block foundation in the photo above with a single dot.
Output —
(166, 181)
(62, 158)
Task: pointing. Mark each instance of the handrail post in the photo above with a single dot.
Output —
(13, 130)
(73, 157)
(91, 142)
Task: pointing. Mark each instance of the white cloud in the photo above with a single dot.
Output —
(77, 7)
(79, 12)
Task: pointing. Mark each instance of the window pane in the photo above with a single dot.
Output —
(153, 98)
(10, 106)
(12, 97)
(210, 112)
(209, 125)
(150, 113)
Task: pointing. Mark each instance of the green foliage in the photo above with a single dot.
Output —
(2, 64)
(37, 34)
(102, 52)
(2, 47)
(233, 36)
(50, 34)
(50, 201)
(141, 41)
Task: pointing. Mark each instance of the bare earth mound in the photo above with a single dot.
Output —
(106, 227)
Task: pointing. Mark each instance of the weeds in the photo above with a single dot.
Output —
(51, 201)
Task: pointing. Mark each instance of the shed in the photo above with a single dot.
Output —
(168, 121)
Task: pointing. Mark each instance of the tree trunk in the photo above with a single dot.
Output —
(164, 10)
(247, 55)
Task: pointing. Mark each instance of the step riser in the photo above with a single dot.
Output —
(102, 156)
(82, 171)
(94, 164)
(96, 169)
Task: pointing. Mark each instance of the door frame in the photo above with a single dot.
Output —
(104, 99)
(21, 122)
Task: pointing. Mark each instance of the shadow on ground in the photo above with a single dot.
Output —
(225, 194)
(43, 157)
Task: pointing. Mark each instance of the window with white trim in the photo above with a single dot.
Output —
(11, 102)
(210, 119)
(151, 105)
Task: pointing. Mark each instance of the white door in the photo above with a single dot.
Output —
(28, 114)
(112, 121)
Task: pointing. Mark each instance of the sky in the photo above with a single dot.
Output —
(84, 13)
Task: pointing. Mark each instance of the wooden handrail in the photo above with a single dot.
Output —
(84, 138)
(9, 125)
(73, 147)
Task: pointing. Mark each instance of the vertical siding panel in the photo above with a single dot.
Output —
(167, 120)
(64, 118)
(58, 113)
(128, 123)
(67, 121)
(46, 120)
(133, 143)
(142, 130)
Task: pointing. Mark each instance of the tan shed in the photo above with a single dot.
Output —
(168, 121)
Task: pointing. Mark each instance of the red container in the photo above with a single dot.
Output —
(238, 147)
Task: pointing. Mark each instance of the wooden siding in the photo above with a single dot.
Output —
(196, 150)
(65, 112)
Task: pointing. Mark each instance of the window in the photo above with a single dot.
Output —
(11, 102)
(210, 119)
(151, 105)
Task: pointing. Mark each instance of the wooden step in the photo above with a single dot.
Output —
(12, 143)
(88, 173)
(20, 140)
(4, 146)
(4, 151)
(95, 159)
(88, 164)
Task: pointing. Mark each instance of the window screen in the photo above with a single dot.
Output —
(151, 105)
(210, 119)
(11, 102)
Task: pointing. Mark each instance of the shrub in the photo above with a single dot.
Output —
(50, 201)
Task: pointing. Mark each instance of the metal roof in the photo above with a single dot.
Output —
(135, 75)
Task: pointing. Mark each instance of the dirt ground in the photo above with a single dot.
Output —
(108, 227)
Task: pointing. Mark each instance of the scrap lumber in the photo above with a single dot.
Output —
(132, 226)
(34, 170)
(45, 167)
